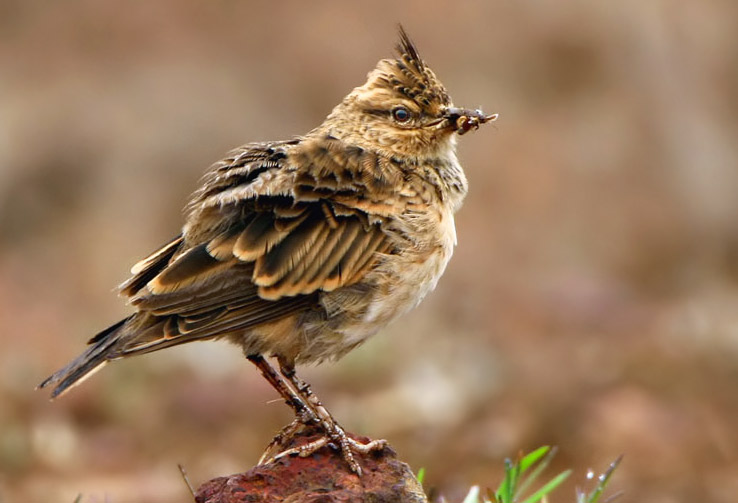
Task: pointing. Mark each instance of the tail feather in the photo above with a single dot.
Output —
(98, 354)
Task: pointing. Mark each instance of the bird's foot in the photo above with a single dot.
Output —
(336, 438)
(311, 416)
(281, 441)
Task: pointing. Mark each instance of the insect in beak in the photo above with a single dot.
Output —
(463, 119)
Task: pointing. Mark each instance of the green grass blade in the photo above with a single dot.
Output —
(514, 478)
(506, 490)
(421, 476)
(603, 479)
(540, 467)
(550, 486)
(531, 458)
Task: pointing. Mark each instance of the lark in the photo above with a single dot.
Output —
(302, 249)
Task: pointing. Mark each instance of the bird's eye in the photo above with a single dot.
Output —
(401, 114)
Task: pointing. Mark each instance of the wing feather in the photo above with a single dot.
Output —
(146, 269)
(272, 227)
(270, 253)
(291, 252)
(195, 265)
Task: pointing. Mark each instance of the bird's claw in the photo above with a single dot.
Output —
(336, 439)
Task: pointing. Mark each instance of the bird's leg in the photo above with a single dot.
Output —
(334, 432)
(303, 410)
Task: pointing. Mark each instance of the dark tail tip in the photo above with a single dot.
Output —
(93, 359)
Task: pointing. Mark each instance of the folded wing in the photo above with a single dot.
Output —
(250, 260)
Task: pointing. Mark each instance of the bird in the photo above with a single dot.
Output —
(299, 250)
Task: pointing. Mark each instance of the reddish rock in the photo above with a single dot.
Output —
(323, 477)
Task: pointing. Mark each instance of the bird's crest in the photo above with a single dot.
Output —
(413, 78)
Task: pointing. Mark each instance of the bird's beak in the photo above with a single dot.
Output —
(461, 120)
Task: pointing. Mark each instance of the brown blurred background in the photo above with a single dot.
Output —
(592, 302)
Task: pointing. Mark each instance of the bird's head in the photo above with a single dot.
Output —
(402, 109)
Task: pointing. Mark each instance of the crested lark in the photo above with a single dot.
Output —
(301, 249)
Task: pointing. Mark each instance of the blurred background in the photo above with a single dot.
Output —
(592, 302)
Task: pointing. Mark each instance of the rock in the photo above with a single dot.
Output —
(323, 477)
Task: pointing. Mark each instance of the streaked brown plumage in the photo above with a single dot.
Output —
(302, 249)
